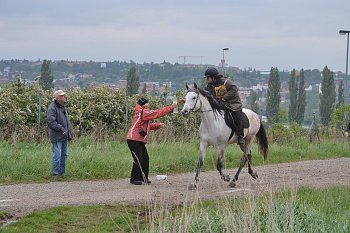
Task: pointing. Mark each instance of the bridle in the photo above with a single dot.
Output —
(200, 107)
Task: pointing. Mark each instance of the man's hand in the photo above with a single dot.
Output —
(174, 106)
(161, 125)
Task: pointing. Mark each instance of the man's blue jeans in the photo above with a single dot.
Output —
(59, 156)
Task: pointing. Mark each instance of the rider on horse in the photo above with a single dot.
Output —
(226, 91)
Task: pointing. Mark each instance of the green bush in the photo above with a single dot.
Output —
(280, 134)
(91, 110)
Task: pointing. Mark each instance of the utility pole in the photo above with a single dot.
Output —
(223, 60)
(344, 32)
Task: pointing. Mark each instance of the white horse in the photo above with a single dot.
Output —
(214, 130)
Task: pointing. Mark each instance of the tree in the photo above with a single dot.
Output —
(132, 82)
(341, 99)
(292, 112)
(144, 89)
(165, 94)
(297, 97)
(154, 90)
(46, 78)
(253, 102)
(273, 96)
(301, 100)
(327, 96)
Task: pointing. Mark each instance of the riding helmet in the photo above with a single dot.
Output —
(211, 71)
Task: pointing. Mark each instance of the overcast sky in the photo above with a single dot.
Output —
(259, 33)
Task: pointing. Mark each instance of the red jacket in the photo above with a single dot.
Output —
(147, 115)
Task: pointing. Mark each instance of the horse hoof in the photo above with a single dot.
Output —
(255, 175)
(232, 184)
(226, 178)
(192, 187)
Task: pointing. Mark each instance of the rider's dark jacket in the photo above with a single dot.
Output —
(227, 91)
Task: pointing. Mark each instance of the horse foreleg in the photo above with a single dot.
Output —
(250, 169)
(223, 176)
(203, 148)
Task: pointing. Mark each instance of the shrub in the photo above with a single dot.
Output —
(93, 110)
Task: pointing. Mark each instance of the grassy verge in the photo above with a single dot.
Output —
(302, 210)
(103, 218)
(24, 162)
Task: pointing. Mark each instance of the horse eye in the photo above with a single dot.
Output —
(194, 98)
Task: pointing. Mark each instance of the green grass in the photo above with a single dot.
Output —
(102, 218)
(25, 162)
(302, 210)
(332, 204)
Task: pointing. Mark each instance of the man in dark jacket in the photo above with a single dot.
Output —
(226, 91)
(60, 132)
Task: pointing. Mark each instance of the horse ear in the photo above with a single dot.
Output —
(187, 86)
(195, 85)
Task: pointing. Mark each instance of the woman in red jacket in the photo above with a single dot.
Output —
(138, 136)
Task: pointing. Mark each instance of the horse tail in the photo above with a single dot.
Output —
(262, 141)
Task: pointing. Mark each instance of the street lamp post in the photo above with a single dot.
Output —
(223, 60)
(344, 32)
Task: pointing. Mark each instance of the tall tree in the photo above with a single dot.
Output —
(327, 96)
(341, 99)
(144, 89)
(46, 78)
(293, 97)
(273, 96)
(301, 100)
(132, 82)
(154, 90)
(253, 102)
(165, 94)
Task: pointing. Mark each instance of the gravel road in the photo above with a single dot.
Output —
(21, 199)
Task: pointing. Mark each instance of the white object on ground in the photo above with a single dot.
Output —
(161, 177)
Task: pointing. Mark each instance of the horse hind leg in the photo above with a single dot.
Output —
(234, 179)
(246, 151)
(250, 169)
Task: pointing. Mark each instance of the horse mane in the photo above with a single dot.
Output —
(216, 105)
(218, 108)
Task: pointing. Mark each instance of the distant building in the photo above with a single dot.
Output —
(4, 80)
(121, 83)
(167, 84)
(309, 88)
(103, 65)
(7, 69)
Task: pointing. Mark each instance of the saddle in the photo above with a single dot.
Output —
(230, 122)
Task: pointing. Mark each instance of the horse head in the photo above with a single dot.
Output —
(191, 100)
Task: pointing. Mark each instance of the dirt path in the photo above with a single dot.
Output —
(21, 199)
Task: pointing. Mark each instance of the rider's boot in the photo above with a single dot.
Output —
(239, 127)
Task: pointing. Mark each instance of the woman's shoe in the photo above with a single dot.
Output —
(136, 182)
